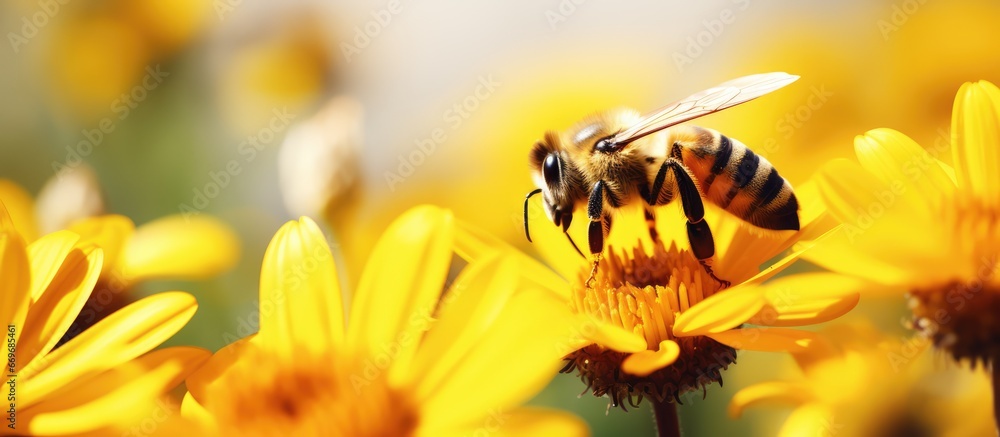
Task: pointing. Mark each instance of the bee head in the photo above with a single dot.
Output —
(556, 178)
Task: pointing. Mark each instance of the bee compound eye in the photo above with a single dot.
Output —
(552, 170)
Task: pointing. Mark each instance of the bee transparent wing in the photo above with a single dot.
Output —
(715, 99)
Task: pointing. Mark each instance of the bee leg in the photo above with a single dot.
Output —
(598, 233)
(699, 234)
(651, 222)
(600, 226)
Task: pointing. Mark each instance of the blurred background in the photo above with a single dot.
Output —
(222, 107)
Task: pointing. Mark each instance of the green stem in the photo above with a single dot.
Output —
(667, 424)
(996, 391)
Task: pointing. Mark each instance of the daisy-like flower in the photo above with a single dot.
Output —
(660, 326)
(914, 223)
(74, 388)
(172, 247)
(859, 382)
(418, 355)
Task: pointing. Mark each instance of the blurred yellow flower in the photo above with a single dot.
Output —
(913, 222)
(276, 58)
(99, 52)
(858, 382)
(173, 247)
(661, 326)
(422, 354)
(71, 388)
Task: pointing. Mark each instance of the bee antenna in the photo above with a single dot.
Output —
(574, 245)
(526, 198)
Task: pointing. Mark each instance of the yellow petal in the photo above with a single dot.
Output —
(769, 393)
(181, 247)
(527, 421)
(645, 362)
(808, 298)
(298, 282)
(839, 250)
(975, 130)
(179, 361)
(610, 336)
(721, 311)
(810, 420)
(55, 309)
(470, 306)
(20, 208)
(15, 288)
(510, 363)
(122, 336)
(402, 281)
(47, 255)
(130, 391)
(909, 171)
(781, 264)
(472, 243)
(198, 382)
(766, 339)
(193, 411)
(110, 233)
(855, 196)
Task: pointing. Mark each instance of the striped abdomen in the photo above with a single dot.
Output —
(735, 178)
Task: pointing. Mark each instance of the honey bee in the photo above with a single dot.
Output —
(618, 157)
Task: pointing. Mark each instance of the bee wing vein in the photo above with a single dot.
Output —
(725, 95)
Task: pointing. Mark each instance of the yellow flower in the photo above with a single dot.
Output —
(661, 326)
(911, 222)
(422, 354)
(97, 52)
(73, 388)
(273, 59)
(174, 247)
(858, 382)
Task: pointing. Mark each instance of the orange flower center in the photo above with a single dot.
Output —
(264, 395)
(644, 294)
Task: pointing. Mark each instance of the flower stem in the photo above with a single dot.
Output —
(667, 424)
(996, 391)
